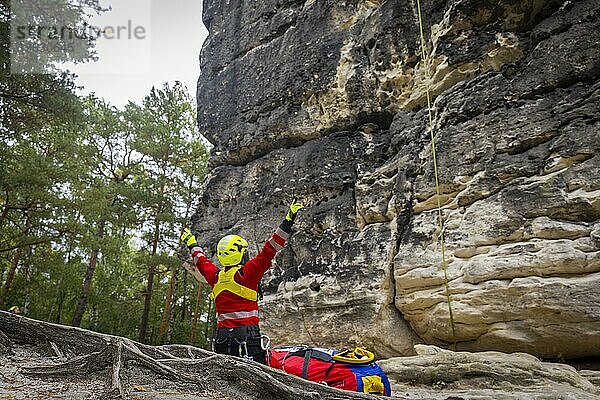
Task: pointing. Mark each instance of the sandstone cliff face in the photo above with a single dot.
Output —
(327, 100)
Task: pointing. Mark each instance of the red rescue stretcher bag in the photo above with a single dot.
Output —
(348, 369)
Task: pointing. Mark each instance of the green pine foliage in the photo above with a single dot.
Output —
(118, 185)
(93, 198)
(133, 172)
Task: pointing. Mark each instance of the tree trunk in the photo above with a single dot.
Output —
(15, 263)
(87, 282)
(195, 321)
(185, 300)
(150, 285)
(171, 327)
(147, 303)
(173, 308)
(10, 276)
(209, 328)
(61, 302)
(60, 296)
(94, 317)
(166, 316)
(27, 288)
(186, 307)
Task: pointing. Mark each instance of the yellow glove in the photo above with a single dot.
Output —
(293, 211)
(188, 237)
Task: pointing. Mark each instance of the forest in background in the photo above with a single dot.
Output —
(92, 202)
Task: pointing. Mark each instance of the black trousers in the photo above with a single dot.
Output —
(242, 342)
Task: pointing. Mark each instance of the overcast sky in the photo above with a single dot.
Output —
(167, 47)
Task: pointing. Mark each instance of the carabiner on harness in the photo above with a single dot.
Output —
(242, 345)
(263, 345)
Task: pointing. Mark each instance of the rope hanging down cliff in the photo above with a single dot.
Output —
(425, 58)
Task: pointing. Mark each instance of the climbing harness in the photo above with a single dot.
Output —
(437, 185)
(243, 341)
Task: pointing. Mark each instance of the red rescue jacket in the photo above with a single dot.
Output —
(232, 310)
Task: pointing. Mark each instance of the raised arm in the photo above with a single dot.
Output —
(256, 268)
(206, 267)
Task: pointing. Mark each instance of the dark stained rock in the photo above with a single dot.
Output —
(327, 101)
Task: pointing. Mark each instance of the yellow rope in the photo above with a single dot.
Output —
(437, 185)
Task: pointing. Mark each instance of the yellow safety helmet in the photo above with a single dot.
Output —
(230, 250)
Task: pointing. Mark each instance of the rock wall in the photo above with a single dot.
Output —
(326, 100)
(487, 375)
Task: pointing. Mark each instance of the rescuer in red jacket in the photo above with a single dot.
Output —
(235, 287)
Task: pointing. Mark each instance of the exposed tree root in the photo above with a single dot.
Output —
(82, 365)
(193, 370)
(133, 353)
(57, 351)
(116, 389)
(183, 350)
(115, 354)
(5, 344)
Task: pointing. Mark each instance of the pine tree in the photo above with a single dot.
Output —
(166, 135)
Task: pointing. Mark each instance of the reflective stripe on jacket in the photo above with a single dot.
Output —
(233, 310)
